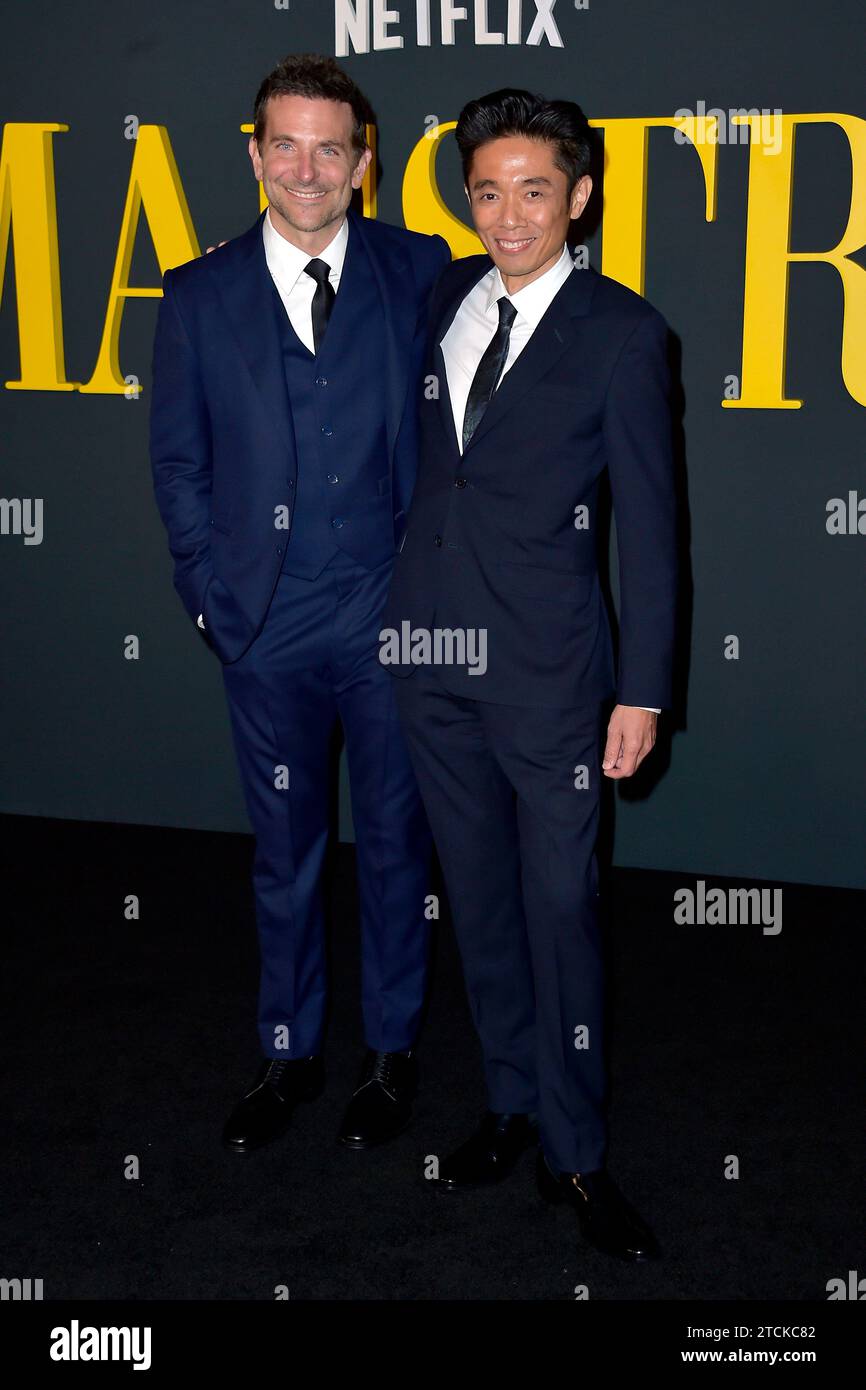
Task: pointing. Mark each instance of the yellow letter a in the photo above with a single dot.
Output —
(154, 184)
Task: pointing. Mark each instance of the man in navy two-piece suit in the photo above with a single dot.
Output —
(549, 376)
(286, 376)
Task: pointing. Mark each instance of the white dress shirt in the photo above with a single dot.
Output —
(287, 264)
(477, 320)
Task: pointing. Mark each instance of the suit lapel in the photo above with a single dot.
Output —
(399, 303)
(472, 273)
(245, 288)
(552, 337)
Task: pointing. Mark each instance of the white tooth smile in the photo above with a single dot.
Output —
(515, 245)
(297, 193)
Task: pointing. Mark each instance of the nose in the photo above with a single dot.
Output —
(305, 168)
(511, 214)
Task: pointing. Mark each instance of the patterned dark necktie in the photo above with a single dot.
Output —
(323, 299)
(489, 371)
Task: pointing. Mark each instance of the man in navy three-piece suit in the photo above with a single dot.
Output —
(549, 375)
(286, 376)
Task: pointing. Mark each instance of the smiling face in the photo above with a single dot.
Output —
(308, 167)
(521, 207)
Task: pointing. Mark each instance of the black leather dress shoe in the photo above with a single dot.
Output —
(489, 1154)
(606, 1220)
(265, 1111)
(381, 1107)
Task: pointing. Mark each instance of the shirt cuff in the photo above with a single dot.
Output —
(200, 621)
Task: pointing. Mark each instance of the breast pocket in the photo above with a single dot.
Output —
(568, 402)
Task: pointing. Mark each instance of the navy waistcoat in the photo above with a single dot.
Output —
(343, 487)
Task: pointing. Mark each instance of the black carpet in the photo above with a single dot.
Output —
(137, 1037)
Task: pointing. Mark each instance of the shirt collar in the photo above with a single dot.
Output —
(534, 299)
(287, 262)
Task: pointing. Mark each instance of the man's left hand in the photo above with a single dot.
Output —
(631, 734)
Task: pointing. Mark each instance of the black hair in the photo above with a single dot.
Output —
(512, 111)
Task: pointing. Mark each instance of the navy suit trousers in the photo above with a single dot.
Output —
(512, 796)
(316, 661)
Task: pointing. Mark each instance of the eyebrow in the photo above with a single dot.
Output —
(338, 144)
(492, 183)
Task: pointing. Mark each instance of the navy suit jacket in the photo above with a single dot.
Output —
(221, 436)
(505, 537)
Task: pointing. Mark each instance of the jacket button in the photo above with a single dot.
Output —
(337, 522)
(333, 478)
(327, 431)
(437, 540)
(459, 482)
(321, 381)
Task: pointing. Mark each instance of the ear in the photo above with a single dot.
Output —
(255, 157)
(579, 196)
(361, 168)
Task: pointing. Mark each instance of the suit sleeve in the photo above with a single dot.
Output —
(444, 256)
(180, 452)
(436, 266)
(639, 449)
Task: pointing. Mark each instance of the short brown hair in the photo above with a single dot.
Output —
(319, 78)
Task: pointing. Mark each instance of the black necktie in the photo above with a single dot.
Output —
(323, 299)
(489, 370)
